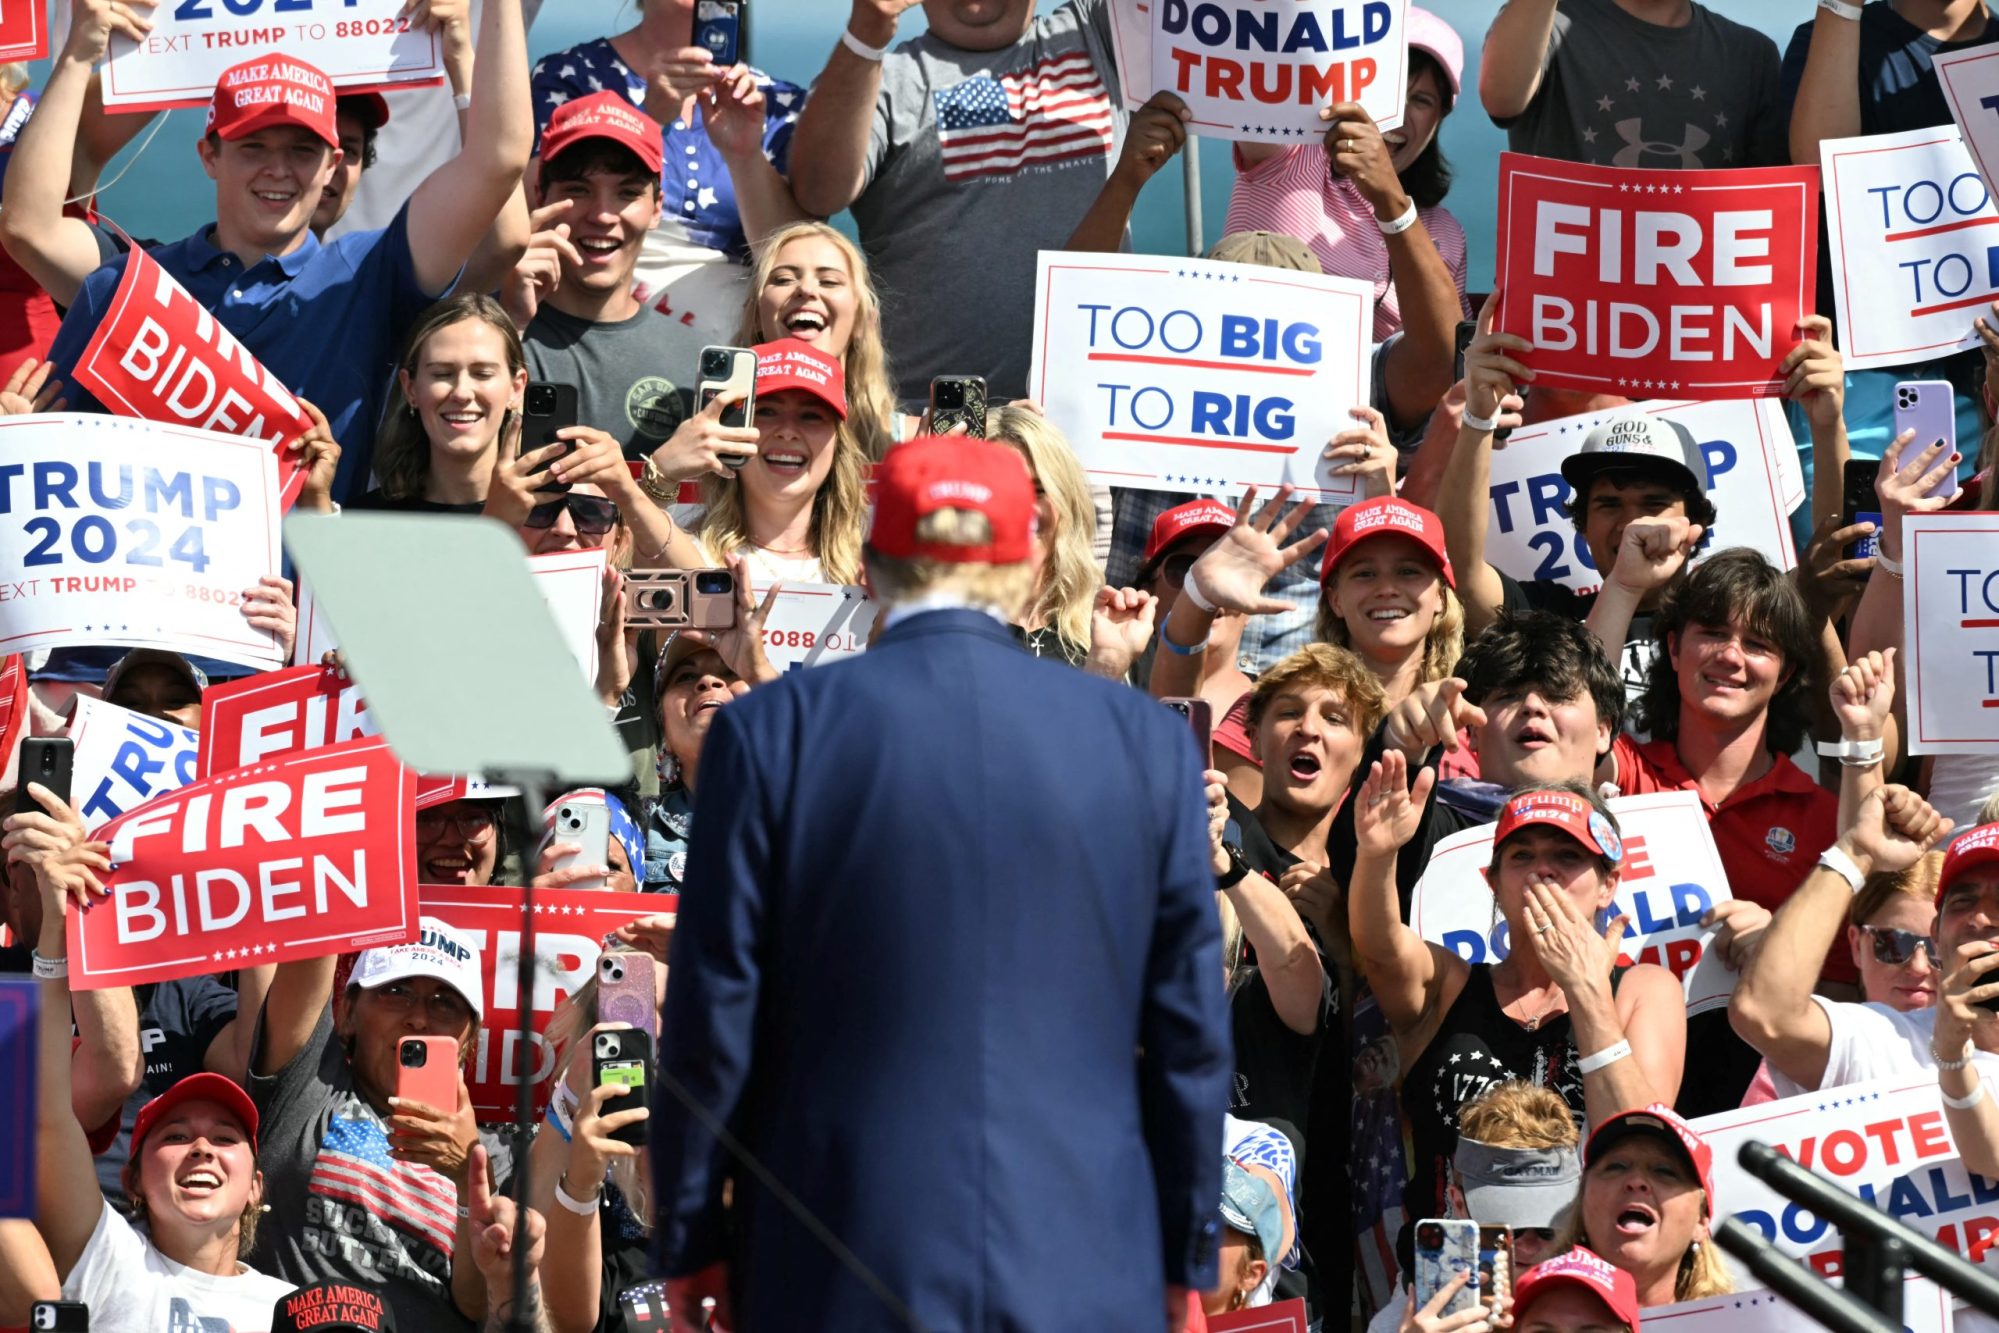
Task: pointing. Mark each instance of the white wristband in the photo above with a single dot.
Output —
(1965, 1103)
(1604, 1058)
(1483, 425)
(1395, 226)
(1842, 865)
(48, 969)
(463, 101)
(1841, 9)
(872, 54)
(581, 1207)
(1193, 594)
(1854, 754)
(1892, 568)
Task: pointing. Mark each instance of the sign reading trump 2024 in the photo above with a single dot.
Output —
(1909, 221)
(1682, 283)
(1950, 611)
(1671, 876)
(124, 759)
(311, 855)
(115, 531)
(1187, 375)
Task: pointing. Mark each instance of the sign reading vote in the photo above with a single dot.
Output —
(1643, 283)
(160, 355)
(124, 759)
(1751, 462)
(124, 532)
(1672, 876)
(1189, 375)
(1908, 218)
(1251, 70)
(311, 855)
(1950, 611)
(569, 931)
(264, 717)
(355, 43)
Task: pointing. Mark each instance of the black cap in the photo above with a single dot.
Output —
(325, 1307)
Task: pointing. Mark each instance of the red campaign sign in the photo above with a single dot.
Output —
(311, 855)
(569, 930)
(13, 711)
(1283, 1317)
(159, 355)
(278, 713)
(24, 31)
(1649, 284)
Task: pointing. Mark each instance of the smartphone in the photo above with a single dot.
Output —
(1861, 505)
(1446, 1247)
(588, 825)
(427, 1071)
(47, 760)
(625, 990)
(1200, 716)
(719, 27)
(546, 410)
(729, 373)
(1929, 408)
(1495, 1266)
(680, 599)
(1467, 330)
(60, 1317)
(956, 398)
(624, 1058)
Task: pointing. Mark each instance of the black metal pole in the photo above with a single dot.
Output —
(1835, 1309)
(526, 819)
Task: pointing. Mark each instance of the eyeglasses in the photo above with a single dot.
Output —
(593, 514)
(446, 1004)
(1174, 568)
(1897, 947)
(471, 824)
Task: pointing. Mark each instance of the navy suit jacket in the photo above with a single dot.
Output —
(948, 963)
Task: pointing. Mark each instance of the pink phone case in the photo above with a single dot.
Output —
(1929, 408)
(625, 991)
(435, 1081)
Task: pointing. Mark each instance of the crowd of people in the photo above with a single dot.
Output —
(230, 1151)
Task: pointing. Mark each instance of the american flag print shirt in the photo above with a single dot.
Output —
(1055, 111)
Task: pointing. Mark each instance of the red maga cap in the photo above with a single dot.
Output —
(372, 108)
(273, 90)
(604, 116)
(1386, 516)
(1580, 1268)
(791, 364)
(1563, 810)
(1968, 851)
(1663, 1122)
(925, 475)
(1196, 518)
(224, 1092)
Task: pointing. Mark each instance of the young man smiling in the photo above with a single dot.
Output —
(325, 319)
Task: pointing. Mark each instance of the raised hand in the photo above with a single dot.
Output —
(1364, 451)
(1864, 694)
(92, 22)
(538, 272)
(1230, 575)
(1892, 830)
(430, 1136)
(1430, 716)
(1491, 375)
(317, 454)
(741, 647)
(1356, 150)
(28, 390)
(1827, 578)
(1121, 621)
(1158, 130)
(1814, 374)
(52, 844)
(1388, 811)
(732, 111)
(1653, 550)
(269, 607)
(491, 1221)
(699, 445)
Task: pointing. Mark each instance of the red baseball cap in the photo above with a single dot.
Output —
(372, 108)
(1386, 515)
(925, 475)
(1582, 1269)
(1968, 851)
(1196, 518)
(273, 90)
(1660, 1121)
(224, 1092)
(604, 116)
(791, 364)
(1563, 810)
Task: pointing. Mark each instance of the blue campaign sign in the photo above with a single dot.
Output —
(20, 1010)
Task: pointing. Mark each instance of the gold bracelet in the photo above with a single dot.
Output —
(654, 483)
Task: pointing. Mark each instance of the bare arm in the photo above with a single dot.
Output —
(1284, 951)
(1464, 498)
(229, 1053)
(1649, 554)
(1157, 132)
(67, 1200)
(829, 145)
(1649, 1011)
(507, 239)
(298, 994)
(1405, 970)
(733, 111)
(101, 136)
(1417, 366)
(1516, 45)
(27, 1274)
(1828, 102)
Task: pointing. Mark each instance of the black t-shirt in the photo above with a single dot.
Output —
(415, 504)
(178, 1022)
(1440, 821)
(1633, 664)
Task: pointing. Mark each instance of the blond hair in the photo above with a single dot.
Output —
(1324, 664)
(1701, 1273)
(839, 512)
(1070, 576)
(1004, 587)
(572, 1019)
(1918, 881)
(871, 408)
(1519, 1115)
(1442, 646)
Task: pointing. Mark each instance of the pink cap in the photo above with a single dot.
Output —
(1439, 40)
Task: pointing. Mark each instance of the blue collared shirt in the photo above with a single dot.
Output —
(326, 319)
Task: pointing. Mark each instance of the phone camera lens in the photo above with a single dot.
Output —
(415, 1054)
(540, 400)
(1430, 1237)
(714, 581)
(714, 364)
(614, 972)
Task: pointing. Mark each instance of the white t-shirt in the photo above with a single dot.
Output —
(1874, 1041)
(131, 1287)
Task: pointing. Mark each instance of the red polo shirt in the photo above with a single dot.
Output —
(1769, 832)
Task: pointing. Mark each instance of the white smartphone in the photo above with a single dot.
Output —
(588, 826)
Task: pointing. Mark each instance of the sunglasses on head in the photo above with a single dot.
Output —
(1896, 947)
(593, 515)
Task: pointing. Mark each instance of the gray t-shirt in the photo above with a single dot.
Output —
(625, 387)
(1620, 92)
(342, 1209)
(977, 161)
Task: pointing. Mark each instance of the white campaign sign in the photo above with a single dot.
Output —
(814, 623)
(1950, 610)
(120, 531)
(1672, 876)
(1925, 1309)
(124, 759)
(1186, 375)
(1750, 456)
(1970, 80)
(1906, 217)
(355, 43)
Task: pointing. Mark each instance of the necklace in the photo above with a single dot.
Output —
(1534, 1023)
(760, 556)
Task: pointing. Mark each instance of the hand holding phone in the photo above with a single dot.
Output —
(1446, 1247)
(729, 373)
(627, 990)
(958, 400)
(586, 825)
(1929, 408)
(427, 1072)
(623, 1057)
(46, 761)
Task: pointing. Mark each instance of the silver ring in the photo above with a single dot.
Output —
(1542, 930)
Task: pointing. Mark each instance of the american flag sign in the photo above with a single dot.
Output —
(1055, 111)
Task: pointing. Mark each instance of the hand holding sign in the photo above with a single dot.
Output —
(1814, 374)
(315, 456)
(1157, 132)
(93, 21)
(1491, 376)
(52, 845)
(1231, 574)
(1357, 151)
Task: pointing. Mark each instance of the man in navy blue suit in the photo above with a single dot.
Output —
(948, 964)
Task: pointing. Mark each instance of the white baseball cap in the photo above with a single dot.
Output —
(438, 952)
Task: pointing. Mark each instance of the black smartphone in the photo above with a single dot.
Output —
(59, 1317)
(958, 398)
(1861, 505)
(623, 1057)
(546, 410)
(47, 760)
(729, 373)
(1467, 330)
(722, 29)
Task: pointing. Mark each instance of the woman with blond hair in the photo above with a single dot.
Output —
(1646, 1205)
(1058, 619)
